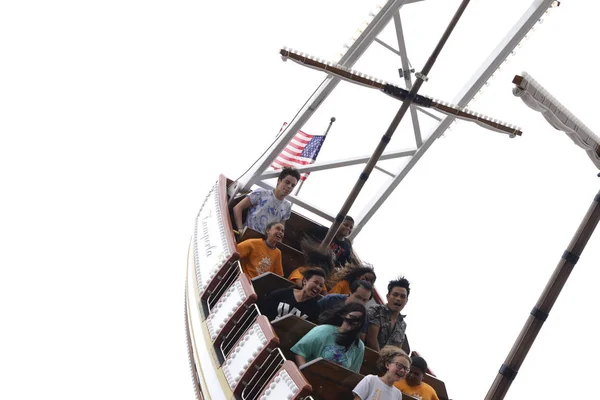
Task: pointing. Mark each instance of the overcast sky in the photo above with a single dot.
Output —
(117, 117)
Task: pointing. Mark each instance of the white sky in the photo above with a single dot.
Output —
(116, 117)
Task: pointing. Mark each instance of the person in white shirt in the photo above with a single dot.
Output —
(394, 364)
(265, 206)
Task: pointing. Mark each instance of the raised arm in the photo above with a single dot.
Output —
(238, 210)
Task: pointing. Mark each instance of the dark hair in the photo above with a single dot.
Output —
(315, 257)
(400, 282)
(309, 273)
(289, 171)
(419, 362)
(271, 224)
(352, 273)
(335, 316)
(356, 284)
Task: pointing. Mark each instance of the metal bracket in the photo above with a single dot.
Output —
(424, 77)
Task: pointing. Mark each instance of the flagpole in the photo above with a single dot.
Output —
(421, 77)
(331, 121)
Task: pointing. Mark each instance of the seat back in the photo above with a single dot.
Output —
(330, 381)
(268, 282)
(437, 385)
(290, 329)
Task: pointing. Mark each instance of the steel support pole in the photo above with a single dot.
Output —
(421, 77)
(538, 315)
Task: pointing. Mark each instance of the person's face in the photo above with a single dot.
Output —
(414, 377)
(397, 298)
(351, 321)
(399, 367)
(313, 286)
(275, 233)
(361, 295)
(369, 277)
(346, 228)
(285, 186)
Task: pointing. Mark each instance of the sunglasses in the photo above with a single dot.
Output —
(352, 321)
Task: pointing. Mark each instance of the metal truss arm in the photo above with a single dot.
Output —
(485, 72)
(348, 59)
(320, 166)
(557, 115)
(407, 77)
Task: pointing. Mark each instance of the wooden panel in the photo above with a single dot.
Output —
(438, 385)
(291, 258)
(369, 365)
(290, 330)
(249, 233)
(330, 381)
(268, 282)
(296, 229)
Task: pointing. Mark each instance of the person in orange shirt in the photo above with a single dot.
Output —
(351, 274)
(413, 385)
(262, 255)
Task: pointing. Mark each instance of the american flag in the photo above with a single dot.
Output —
(303, 149)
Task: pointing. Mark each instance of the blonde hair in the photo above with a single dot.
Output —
(387, 355)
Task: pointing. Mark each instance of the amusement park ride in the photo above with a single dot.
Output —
(235, 352)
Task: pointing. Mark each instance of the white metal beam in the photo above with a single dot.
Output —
(320, 166)
(485, 72)
(558, 116)
(407, 77)
(355, 51)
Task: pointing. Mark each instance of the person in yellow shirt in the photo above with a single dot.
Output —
(262, 255)
(413, 385)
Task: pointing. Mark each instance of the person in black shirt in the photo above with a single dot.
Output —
(299, 302)
(340, 245)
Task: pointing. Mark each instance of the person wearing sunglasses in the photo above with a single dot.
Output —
(337, 340)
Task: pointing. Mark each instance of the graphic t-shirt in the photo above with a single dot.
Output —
(266, 208)
(373, 388)
(258, 258)
(422, 391)
(282, 302)
(320, 342)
